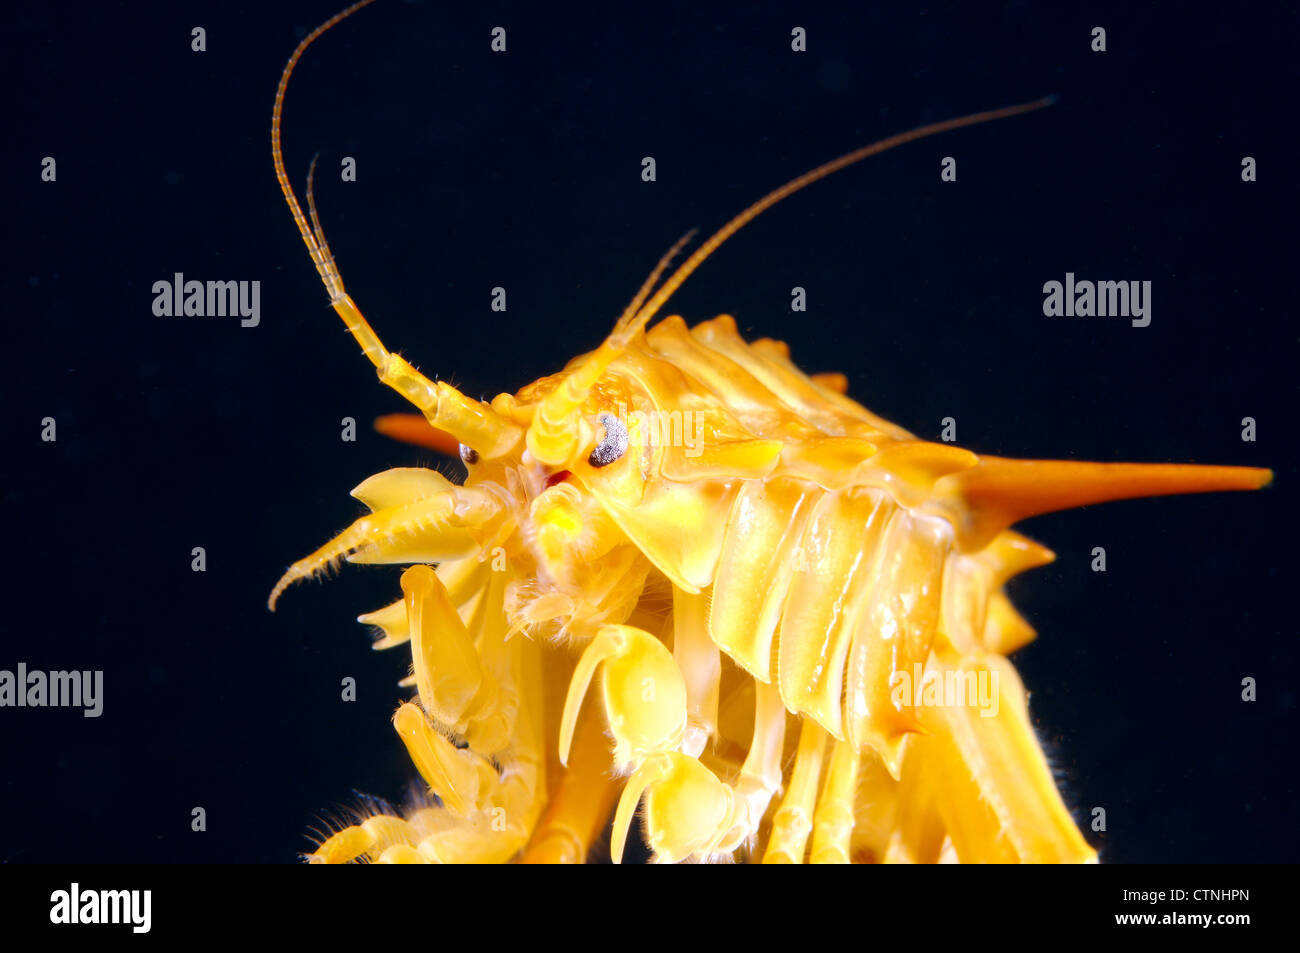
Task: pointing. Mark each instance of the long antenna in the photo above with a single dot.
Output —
(808, 178)
(553, 434)
(320, 255)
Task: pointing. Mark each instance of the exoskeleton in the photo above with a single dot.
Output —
(686, 577)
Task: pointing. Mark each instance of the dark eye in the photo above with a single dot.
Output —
(468, 455)
(613, 445)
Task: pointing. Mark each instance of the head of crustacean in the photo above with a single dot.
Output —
(571, 566)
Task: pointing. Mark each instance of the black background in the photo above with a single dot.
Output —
(523, 170)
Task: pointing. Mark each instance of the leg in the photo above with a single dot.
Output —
(455, 686)
(793, 820)
(689, 812)
(833, 822)
(700, 663)
(645, 697)
(581, 806)
(760, 775)
(489, 808)
(371, 838)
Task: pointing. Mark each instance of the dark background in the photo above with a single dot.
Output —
(523, 170)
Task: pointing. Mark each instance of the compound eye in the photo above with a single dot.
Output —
(468, 455)
(613, 445)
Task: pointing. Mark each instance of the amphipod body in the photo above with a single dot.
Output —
(684, 577)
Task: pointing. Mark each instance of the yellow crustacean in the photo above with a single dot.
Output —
(775, 590)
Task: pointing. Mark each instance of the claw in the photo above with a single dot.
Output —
(459, 777)
(454, 686)
(645, 697)
(688, 811)
(417, 516)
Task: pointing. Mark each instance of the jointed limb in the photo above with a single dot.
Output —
(794, 818)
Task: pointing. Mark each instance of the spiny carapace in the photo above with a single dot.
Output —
(794, 609)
